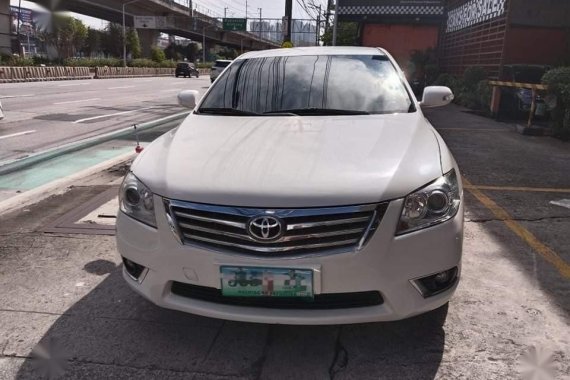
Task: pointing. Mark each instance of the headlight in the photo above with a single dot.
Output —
(135, 200)
(433, 204)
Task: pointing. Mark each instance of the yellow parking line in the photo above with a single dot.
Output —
(516, 188)
(546, 252)
(474, 129)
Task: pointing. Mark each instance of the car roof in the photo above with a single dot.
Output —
(314, 50)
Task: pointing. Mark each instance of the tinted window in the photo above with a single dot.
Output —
(358, 83)
(182, 65)
(221, 63)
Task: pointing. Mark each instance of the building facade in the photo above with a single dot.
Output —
(486, 33)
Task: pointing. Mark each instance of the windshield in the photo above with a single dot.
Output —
(310, 85)
(222, 63)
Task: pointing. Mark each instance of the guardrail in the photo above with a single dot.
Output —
(10, 74)
(496, 97)
(15, 165)
(131, 72)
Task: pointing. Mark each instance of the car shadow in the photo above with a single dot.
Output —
(114, 333)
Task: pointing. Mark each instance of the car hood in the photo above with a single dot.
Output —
(282, 161)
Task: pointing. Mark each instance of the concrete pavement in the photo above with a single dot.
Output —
(63, 295)
(40, 115)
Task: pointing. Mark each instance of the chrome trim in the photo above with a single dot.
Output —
(282, 239)
(373, 220)
(140, 279)
(271, 249)
(204, 219)
(336, 222)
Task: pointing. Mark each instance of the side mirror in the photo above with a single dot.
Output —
(188, 98)
(436, 96)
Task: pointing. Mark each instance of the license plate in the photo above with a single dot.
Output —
(266, 282)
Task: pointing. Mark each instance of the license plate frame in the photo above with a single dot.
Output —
(268, 282)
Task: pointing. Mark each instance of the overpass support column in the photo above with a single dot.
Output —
(5, 43)
(148, 38)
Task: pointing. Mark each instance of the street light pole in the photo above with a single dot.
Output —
(203, 44)
(335, 25)
(259, 9)
(125, 33)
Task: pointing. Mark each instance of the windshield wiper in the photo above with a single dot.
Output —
(227, 111)
(318, 111)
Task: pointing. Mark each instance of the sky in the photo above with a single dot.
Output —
(236, 8)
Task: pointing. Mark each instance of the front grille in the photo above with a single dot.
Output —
(320, 301)
(307, 230)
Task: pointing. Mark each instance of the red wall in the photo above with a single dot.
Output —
(536, 45)
(400, 40)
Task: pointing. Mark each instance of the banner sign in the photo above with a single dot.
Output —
(391, 7)
(474, 12)
(234, 24)
(31, 22)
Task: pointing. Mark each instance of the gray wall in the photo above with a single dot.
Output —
(5, 45)
(543, 13)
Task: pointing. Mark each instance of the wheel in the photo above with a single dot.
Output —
(197, 75)
(177, 75)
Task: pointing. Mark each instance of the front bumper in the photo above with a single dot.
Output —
(386, 264)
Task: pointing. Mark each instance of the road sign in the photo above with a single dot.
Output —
(145, 22)
(235, 24)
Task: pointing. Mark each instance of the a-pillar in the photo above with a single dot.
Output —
(148, 39)
(5, 22)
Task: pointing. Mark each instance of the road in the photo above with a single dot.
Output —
(40, 115)
(63, 294)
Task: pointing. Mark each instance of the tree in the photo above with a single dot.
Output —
(93, 42)
(157, 54)
(112, 41)
(66, 34)
(79, 35)
(134, 43)
(347, 34)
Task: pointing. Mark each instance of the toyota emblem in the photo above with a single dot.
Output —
(265, 228)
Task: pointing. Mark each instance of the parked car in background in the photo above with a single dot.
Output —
(218, 67)
(186, 69)
(296, 194)
(516, 102)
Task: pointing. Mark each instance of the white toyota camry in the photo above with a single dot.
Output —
(306, 187)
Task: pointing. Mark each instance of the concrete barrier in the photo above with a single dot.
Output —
(35, 74)
(132, 72)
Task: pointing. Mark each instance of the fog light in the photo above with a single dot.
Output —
(436, 283)
(133, 269)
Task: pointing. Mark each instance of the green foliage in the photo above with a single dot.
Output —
(157, 54)
(558, 82)
(472, 76)
(93, 62)
(16, 60)
(143, 62)
(472, 91)
(205, 65)
(93, 42)
(112, 40)
(134, 43)
(347, 34)
(422, 65)
(67, 35)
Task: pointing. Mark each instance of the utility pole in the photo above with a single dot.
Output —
(288, 20)
(259, 9)
(225, 12)
(125, 33)
(335, 25)
(328, 15)
(246, 9)
(318, 28)
(204, 44)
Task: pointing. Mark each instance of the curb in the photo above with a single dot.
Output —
(59, 186)
(14, 165)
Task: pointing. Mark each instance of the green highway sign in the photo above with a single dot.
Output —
(235, 24)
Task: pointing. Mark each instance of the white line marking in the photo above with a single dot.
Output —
(74, 84)
(17, 134)
(16, 96)
(77, 101)
(562, 203)
(110, 115)
(116, 88)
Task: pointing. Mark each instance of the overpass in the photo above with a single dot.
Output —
(178, 21)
